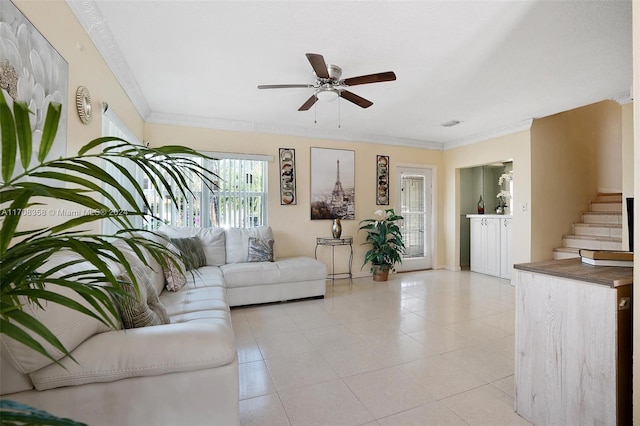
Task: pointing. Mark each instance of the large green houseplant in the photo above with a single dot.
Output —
(387, 246)
(81, 183)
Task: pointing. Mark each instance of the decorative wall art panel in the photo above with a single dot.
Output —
(288, 176)
(332, 184)
(31, 70)
(382, 180)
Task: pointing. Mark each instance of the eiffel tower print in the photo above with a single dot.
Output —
(332, 199)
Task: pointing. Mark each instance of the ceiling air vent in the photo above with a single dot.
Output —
(451, 123)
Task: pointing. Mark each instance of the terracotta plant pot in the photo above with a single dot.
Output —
(381, 273)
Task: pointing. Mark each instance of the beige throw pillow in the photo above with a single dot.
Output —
(143, 309)
(174, 271)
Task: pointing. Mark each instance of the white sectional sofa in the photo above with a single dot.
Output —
(184, 372)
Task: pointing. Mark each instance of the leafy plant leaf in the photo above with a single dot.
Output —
(8, 134)
(49, 130)
(23, 129)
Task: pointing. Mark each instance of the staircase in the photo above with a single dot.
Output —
(600, 229)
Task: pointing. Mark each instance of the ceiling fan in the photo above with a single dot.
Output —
(328, 83)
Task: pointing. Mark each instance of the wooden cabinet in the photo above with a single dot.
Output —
(573, 345)
(491, 245)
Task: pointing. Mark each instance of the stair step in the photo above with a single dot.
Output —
(598, 229)
(611, 197)
(565, 253)
(592, 243)
(602, 217)
(606, 206)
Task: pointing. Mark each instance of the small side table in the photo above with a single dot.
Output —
(333, 242)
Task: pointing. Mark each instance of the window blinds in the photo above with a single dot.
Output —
(113, 126)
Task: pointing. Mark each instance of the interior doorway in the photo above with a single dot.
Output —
(415, 198)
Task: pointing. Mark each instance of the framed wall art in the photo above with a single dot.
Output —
(332, 184)
(382, 180)
(288, 176)
(30, 63)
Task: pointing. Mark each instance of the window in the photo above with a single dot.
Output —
(113, 126)
(240, 201)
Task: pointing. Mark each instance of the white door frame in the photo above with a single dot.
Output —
(434, 210)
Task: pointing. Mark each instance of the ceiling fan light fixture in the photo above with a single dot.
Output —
(327, 94)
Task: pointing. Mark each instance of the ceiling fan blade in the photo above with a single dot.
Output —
(358, 100)
(371, 78)
(284, 86)
(305, 106)
(318, 64)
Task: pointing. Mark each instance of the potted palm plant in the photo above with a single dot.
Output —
(27, 186)
(387, 246)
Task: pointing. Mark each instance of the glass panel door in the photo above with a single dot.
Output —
(415, 203)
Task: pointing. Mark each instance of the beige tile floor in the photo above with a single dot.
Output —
(424, 348)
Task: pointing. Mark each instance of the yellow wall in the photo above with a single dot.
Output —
(295, 233)
(569, 152)
(58, 24)
(514, 147)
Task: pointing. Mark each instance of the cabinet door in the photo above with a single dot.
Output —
(492, 247)
(477, 250)
(505, 248)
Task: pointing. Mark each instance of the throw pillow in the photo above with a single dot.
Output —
(192, 252)
(260, 250)
(143, 308)
(174, 271)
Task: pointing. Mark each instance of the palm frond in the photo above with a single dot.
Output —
(28, 274)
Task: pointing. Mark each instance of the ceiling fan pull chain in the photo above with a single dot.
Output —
(339, 124)
(315, 113)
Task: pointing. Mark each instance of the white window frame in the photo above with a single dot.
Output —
(112, 125)
(188, 215)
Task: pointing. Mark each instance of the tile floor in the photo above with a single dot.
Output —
(424, 348)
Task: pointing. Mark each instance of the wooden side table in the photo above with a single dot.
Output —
(333, 242)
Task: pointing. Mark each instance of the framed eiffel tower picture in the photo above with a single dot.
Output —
(333, 191)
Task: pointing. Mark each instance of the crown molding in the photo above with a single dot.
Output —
(299, 131)
(99, 32)
(494, 133)
(624, 97)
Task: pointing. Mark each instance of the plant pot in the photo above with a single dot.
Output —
(380, 272)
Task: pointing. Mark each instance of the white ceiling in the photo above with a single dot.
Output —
(493, 65)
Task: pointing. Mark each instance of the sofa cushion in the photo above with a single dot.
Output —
(204, 291)
(70, 326)
(141, 308)
(192, 252)
(213, 240)
(260, 250)
(293, 269)
(237, 241)
(147, 351)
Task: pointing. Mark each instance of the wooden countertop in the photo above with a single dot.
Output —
(611, 276)
(490, 216)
